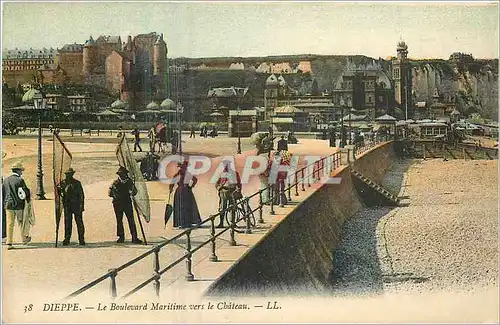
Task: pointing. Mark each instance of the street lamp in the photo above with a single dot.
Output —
(180, 111)
(342, 138)
(351, 111)
(40, 104)
(238, 151)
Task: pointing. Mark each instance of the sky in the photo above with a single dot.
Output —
(214, 29)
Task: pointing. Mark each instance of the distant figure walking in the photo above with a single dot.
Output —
(186, 213)
(333, 138)
(193, 132)
(121, 191)
(73, 199)
(16, 198)
(175, 142)
(137, 139)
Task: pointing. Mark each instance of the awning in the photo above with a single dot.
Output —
(243, 112)
(107, 113)
(283, 120)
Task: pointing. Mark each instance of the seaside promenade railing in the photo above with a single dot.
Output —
(302, 177)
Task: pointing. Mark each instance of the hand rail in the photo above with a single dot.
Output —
(331, 162)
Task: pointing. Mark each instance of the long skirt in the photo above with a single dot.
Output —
(186, 211)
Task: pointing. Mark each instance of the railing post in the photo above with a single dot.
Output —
(189, 275)
(156, 271)
(309, 175)
(281, 192)
(232, 241)
(81, 132)
(261, 220)
(296, 184)
(248, 230)
(71, 130)
(213, 257)
(303, 180)
(289, 188)
(97, 132)
(271, 190)
(112, 286)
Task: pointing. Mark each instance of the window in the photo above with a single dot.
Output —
(369, 99)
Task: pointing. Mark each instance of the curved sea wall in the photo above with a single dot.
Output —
(297, 254)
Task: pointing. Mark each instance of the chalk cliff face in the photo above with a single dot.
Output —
(472, 88)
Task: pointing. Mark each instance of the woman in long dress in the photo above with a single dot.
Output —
(186, 213)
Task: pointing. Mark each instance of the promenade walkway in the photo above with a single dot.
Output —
(39, 268)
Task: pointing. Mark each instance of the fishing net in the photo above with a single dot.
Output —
(61, 161)
(127, 160)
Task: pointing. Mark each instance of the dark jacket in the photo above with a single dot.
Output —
(10, 188)
(121, 191)
(282, 145)
(72, 195)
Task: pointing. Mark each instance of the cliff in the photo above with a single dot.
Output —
(473, 86)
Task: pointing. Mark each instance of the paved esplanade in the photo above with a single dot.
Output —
(41, 269)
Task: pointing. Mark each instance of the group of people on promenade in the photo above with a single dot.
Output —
(16, 198)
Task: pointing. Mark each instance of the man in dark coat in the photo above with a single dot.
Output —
(121, 191)
(73, 199)
(282, 144)
(333, 138)
(16, 194)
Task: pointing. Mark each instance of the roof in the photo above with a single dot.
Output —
(152, 105)
(118, 104)
(316, 105)
(433, 124)
(28, 96)
(272, 80)
(72, 48)
(168, 104)
(107, 112)
(227, 92)
(282, 120)
(287, 109)
(243, 112)
(385, 117)
(31, 53)
(354, 117)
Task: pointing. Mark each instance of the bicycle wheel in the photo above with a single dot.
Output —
(250, 214)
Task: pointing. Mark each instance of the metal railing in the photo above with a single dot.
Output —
(297, 179)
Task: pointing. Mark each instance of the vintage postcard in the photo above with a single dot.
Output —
(249, 162)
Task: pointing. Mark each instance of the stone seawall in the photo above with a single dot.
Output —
(297, 254)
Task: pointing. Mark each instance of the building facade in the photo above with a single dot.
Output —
(365, 88)
(135, 70)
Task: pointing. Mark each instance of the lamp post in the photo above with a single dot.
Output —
(238, 151)
(342, 138)
(350, 131)
(180, 111)
(40, 103)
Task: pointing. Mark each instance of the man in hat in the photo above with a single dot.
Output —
(73, 198)
(16, 194)
(121, 191)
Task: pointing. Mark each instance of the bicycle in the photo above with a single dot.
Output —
(243, 211)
